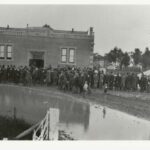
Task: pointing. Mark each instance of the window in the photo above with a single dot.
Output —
(2, 51)
(9, 52)
(71, 55)
(63, 54)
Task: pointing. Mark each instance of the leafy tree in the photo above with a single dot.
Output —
(125, 60)
(46, 26)
(146, 58)
(115, 55)
(137, 56)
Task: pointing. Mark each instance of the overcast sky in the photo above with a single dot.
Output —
(124, 26)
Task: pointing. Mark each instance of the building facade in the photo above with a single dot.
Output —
(44, 46)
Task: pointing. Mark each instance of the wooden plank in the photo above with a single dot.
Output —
(26, 132)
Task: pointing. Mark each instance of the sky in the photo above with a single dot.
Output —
(124, 26)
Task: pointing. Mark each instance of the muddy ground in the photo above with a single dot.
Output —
(134, 103)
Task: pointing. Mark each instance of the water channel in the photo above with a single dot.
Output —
(83, 121)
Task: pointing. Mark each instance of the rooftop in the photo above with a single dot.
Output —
(46, 30)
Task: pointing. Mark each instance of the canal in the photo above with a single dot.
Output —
(82, 120)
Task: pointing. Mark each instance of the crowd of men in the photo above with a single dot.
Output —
(73, 78)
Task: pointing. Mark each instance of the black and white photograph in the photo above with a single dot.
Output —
(72, 72)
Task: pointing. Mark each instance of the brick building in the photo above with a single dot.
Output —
(44, 46)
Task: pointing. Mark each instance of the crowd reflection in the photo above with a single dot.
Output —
(104, 112)
(30, 107)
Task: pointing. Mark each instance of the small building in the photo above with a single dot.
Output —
(44, 46)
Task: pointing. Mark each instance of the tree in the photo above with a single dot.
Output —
(137, 56)
(125, 60)
(46, 26)
(146, 58)
(115, 55)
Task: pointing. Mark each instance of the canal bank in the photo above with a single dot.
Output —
(87, 118)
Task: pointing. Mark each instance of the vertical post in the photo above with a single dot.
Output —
(48, 124)
(14, 113)
(53, 124)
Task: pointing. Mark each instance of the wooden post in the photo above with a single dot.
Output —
(53, 124)
(48, 124)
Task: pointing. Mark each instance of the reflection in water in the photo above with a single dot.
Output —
(32, 106)
(14, 113)
(81, 119)
(104, 112)
(74, 113)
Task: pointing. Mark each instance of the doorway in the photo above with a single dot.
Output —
(36, 59)
(39, 63)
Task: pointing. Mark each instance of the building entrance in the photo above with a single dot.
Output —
(39, 63)
(36, 59)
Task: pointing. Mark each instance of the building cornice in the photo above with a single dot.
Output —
(45, 32)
